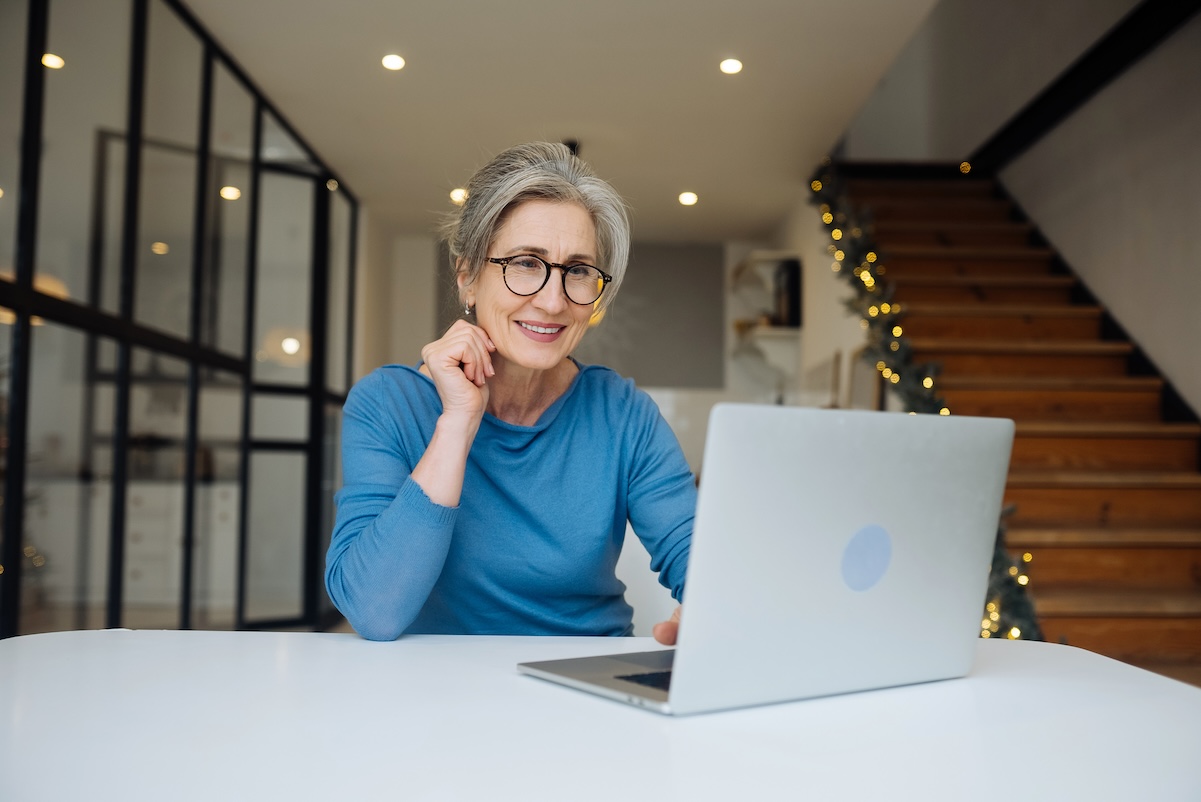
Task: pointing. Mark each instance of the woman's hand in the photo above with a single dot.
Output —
(460, 363)
(666, 631)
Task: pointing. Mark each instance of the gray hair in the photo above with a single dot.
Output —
(537, 171)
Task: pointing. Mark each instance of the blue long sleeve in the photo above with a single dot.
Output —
(533, 546)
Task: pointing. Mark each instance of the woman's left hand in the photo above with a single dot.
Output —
(666, 631)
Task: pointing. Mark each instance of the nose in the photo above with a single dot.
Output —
(552, 298)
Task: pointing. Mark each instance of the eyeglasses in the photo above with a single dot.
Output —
(527, 274)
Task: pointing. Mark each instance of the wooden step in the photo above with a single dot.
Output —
(1189, 673)
(1108, 558)
(889, 209)
(920, 188)
(1003, 357)
(1109, 399)
(963, 261)
(1089, 499)
(1004, 234)
(1002, 321)
(1118, 566)
(1052, 289)
(1021, 539)
(1133, 625)
(1122, 445)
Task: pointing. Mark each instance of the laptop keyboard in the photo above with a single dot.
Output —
(653, 679)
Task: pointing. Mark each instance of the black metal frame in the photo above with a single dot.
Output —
(89, 319)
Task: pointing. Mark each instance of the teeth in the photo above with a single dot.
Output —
(540, 329)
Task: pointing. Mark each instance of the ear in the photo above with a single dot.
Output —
(465, 295)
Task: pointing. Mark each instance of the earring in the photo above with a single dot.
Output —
(468, 309)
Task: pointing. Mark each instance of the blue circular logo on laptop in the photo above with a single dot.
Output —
(866, 557)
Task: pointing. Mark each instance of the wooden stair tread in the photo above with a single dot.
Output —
(952, 225)
(1101, 537)
(1156, 479)
(1096, 602)
(1050, 280)
(982, 252)
(1051, 383)
(1031, 347)
(1189, 673)
(1105, 429)
(999, 310)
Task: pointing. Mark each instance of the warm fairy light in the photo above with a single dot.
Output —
(730, 66)
(863, 324)
(991, 607)
(393, 62)
(816, 186)
(944, 411)
(994, 616)
(458, 196)
(896, 308)
(894, 345)
(831, 249)
(884, 307)
(825, 209)
(886, 372)
(1027, 557)
(827, 218)
(985, 634)
(927, 382)
(965, 168)
(836, 234)
(688, 199)
(895, 378)
(839, 255)
(873, 311)
(1023, 580)
(160, 248)
(836, 267)
(231, 193)
(52, 61)
(1013, 570)
(896, 331)
(880, 365)
(871, 256)
(1015, 633)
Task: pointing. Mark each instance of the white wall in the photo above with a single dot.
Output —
(969, 69)
(1117, 190)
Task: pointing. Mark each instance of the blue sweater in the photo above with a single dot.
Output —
(532, 546)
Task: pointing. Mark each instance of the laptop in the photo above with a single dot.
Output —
(833, 551)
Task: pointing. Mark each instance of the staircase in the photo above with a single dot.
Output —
(1106, 470)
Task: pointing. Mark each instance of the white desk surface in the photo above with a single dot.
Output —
(158, 715)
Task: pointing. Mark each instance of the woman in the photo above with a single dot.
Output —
(487, 490)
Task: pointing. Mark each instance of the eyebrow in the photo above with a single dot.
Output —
(575, 257)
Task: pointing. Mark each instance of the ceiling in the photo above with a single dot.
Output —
(635, 82)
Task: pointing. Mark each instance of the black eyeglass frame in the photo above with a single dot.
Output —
(503, 261)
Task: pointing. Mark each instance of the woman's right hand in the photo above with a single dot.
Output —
(460, 362)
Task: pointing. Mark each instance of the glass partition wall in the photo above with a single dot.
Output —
(176, 274)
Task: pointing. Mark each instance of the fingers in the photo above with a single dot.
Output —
(464, 348)
(666, 632)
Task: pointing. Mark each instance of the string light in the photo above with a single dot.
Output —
(836, 234)
(896, 331)
(827, 218)
(839, 255)
(871, 256)
(816, 185)
(928, 383)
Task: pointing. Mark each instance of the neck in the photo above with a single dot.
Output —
(520, 395)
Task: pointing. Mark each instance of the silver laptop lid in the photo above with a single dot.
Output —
(836, 551)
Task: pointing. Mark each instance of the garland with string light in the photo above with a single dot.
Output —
(1008, 610)
(857, 260)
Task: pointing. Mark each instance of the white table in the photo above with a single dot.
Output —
(158, 715)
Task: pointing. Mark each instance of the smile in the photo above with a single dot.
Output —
(541, 329)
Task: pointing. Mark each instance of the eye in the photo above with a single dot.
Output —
(581, 272)
(526, 263)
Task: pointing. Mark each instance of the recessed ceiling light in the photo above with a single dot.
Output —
(688, 198)
(1, 193)
(52, 61)
(159, 248)
(458, 196)
(730, 66)
(332, 185)
(393, 62)
(231, 193)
